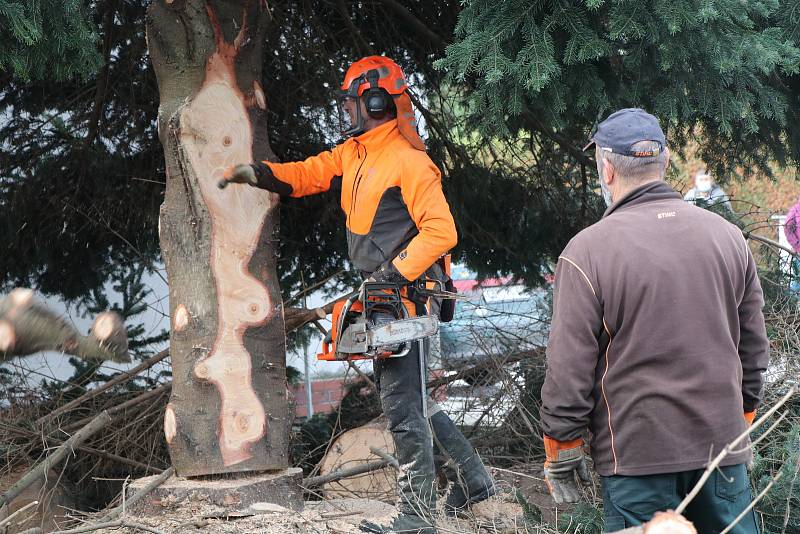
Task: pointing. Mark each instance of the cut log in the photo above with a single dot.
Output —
(228, 410)
(28, 327)
(353, 449)
(663, 523)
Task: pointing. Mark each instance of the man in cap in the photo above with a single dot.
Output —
(398, 225)
(662, 367)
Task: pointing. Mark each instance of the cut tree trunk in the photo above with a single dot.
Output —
(356, 448)
(228, 410)
(27, 327)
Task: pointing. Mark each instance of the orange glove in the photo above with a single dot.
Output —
(750, 417)
(565, 459)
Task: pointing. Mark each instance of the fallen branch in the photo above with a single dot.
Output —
(729, 448)
(339, 474)
(111, 524)
(386, 456)
(27, 327)
(124, 377)
(484, 365)
(84, 448)
(8, 519)
(294, 318)
(770, 242)
(153, 484)
(125, 405)
(99, 422)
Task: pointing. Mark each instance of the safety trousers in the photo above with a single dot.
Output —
(632, 500)
(399, 382)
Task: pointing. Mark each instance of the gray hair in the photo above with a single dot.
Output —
(634, 170)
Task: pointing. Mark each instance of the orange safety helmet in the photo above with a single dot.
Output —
(390, 76)
(368, 78)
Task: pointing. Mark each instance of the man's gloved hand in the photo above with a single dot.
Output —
(749, 417)
(258, 175)
(238, 174)
(388, 274)
(565, 459)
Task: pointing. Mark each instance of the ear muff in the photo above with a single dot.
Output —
(376, 100)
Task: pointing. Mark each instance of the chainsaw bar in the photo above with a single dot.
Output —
(362, 338)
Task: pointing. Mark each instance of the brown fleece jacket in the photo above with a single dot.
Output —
(658, 342)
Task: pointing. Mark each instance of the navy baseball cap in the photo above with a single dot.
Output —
(626, 127)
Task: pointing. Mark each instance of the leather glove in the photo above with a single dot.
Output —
(565, 459)
(750, 417)
(388, 274)
(258, 175)
(238, 174)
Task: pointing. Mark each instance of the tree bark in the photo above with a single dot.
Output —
(228, 410)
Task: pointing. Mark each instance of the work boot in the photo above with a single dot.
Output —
(402, 524)
(463, 467)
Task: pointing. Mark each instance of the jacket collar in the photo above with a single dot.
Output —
(649, 192)
(378, 135)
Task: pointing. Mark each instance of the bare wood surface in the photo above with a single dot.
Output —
(228, 411)
(668, 522)
(156, 482)
(27, 327)
(99, 422)
(312, 482)
(120, 379)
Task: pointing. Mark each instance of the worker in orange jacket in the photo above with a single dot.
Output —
(398, 225)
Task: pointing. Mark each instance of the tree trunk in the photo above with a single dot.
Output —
(228, 410)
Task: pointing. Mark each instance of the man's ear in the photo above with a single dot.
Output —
(666, 160)
(608, 171)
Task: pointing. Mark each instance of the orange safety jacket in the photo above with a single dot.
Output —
(392, 197)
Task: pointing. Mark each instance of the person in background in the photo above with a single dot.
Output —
(706, 191)
(662, 366)
(791, 229)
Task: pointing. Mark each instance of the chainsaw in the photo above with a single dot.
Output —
(374, 323)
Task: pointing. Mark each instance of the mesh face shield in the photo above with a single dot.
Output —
(348, 103)
(351, 119)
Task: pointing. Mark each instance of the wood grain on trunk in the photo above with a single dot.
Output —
(228, 409)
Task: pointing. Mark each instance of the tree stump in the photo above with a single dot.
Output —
(231, 494)
(228, 410)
